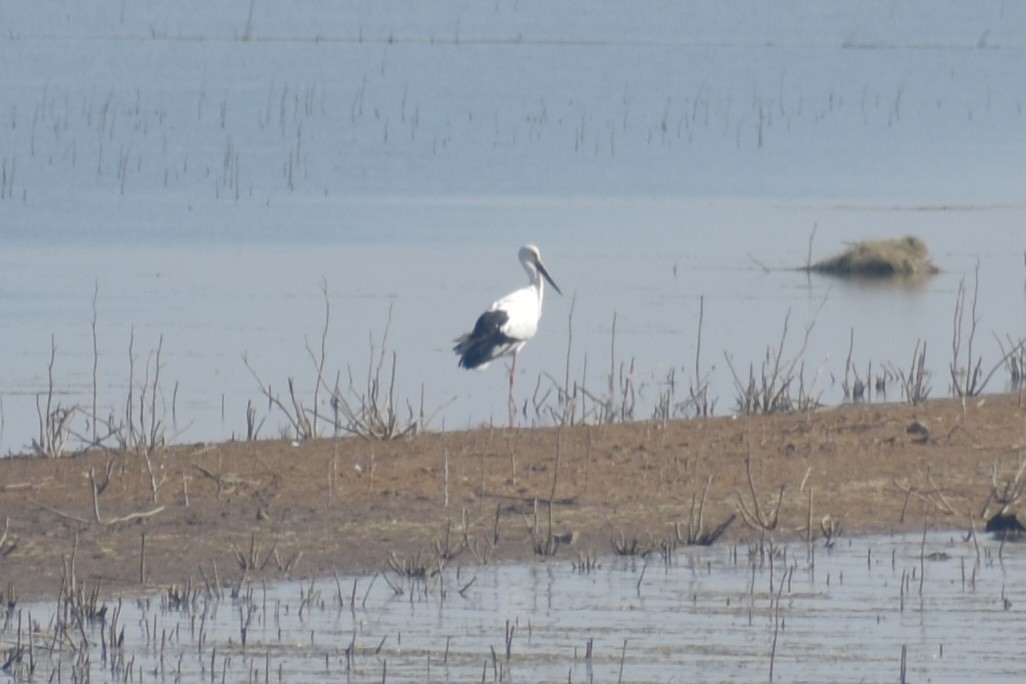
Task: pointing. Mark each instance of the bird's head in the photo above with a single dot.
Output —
(530, 257)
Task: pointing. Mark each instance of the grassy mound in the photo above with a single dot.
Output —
(906, 256)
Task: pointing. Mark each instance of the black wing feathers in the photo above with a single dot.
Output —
(479, 345)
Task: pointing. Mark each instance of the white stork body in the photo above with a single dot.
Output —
(506, 327)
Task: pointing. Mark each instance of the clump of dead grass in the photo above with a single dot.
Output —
(372, 411)
(907, 256)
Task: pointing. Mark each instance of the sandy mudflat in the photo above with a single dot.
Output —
(346, 505)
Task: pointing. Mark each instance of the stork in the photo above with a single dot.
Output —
(505, 328)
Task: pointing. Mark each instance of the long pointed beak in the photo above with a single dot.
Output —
(541, 269)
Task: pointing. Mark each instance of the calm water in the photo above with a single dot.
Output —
(202, 172)
(709, 614)
(204, 307)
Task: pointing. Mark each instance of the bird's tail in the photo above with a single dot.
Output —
(473, 351)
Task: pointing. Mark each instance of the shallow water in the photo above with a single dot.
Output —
(205, 308)
(842, 614)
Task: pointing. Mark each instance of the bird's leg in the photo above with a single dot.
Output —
(511, 403)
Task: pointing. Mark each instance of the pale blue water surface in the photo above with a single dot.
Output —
(203, 171)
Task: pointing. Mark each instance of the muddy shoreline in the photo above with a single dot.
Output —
(273, 509)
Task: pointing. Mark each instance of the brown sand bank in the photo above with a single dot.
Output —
(347, 505)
